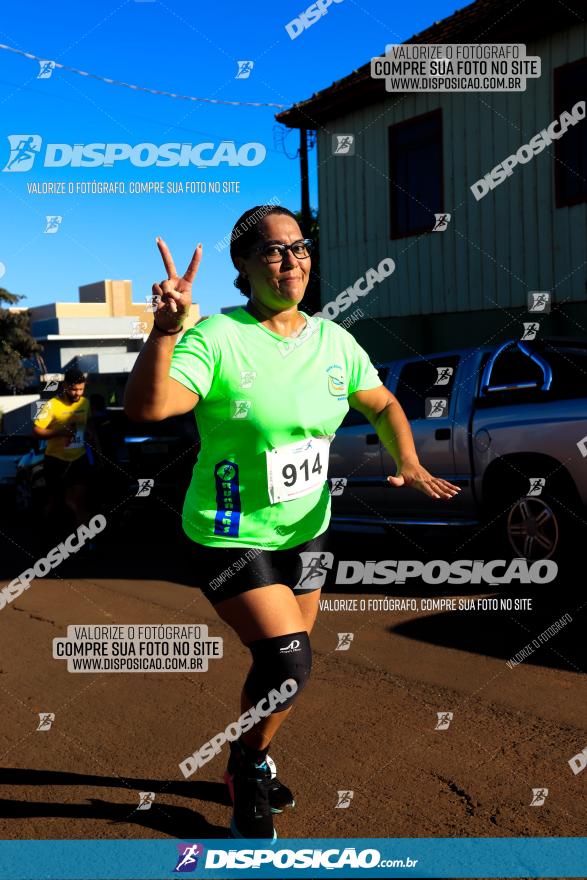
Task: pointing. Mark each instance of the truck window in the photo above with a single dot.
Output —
(569, 370)
(569, 375)
(418, 380)
(514, 366)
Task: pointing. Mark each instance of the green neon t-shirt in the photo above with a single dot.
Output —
(259, 391)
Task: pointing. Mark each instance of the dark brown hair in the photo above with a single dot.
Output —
(245, 236)
(73, 376)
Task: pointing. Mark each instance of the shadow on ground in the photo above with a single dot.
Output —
(503, 634)
(165, 818)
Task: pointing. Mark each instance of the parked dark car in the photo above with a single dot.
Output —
(29, 486)
(145, 467)
(140, 468)
(12, 449)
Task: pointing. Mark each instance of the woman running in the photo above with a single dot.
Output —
(270, 385)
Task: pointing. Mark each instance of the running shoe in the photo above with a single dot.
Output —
(252, 817)
(280, 795)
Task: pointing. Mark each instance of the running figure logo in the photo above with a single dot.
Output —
(337, 485)
(539, 301)
(146, 798)
(530, 330)
(441, 222)
(537, 484)
(344, 641)
(188, 856)
(344, 800)
(343, 144)
(539, 795)
(23, 151)
(244, 69)
(46, 719)
(304, 446)
(314, 570)
(241, 409)
(444, 719)
(226, 473)
(53, 224)
(40, 409)
(46, 69)
(138, 329)
(444, 375)
(436, 407)
(152, 302)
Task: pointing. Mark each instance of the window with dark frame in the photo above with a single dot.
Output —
(419, 380)
(570, 151)
(416, 174)
(569, 376)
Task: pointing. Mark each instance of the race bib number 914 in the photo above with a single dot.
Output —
(298, 468)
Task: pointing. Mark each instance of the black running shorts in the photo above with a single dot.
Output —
(225, 572)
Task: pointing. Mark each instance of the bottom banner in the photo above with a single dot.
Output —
(308, 857)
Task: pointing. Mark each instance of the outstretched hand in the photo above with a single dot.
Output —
(417, 477)
(175, 292)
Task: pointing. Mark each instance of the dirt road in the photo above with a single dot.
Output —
(365, 724)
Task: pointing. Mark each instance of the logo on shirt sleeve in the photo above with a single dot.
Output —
(337, 385)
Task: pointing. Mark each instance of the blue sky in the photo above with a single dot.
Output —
(177, 46)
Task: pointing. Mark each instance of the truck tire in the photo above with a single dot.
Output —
(533, 526)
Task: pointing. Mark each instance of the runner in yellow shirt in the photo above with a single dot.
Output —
(64, 422)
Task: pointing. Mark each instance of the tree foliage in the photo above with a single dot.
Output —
(17, 345)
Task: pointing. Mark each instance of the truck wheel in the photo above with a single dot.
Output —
(534, 528)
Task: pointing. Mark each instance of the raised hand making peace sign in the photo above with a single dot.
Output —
(175, 293)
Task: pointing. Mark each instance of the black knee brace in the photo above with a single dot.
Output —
(275, 661)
